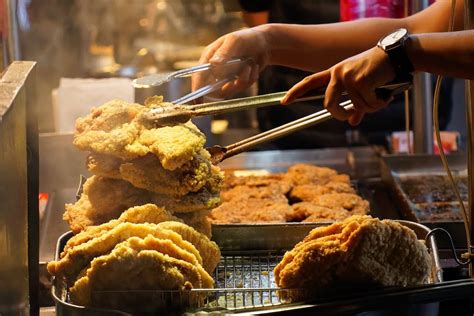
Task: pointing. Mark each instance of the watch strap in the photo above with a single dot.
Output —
(400, 62)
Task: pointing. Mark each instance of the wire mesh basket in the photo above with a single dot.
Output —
(244, 279)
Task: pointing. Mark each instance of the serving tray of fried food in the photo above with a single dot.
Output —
(256, 273)
(158, 228)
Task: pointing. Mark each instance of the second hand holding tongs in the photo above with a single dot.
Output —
(178, 114)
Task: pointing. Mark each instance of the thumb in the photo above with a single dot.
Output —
(227, 51)
(307, 84)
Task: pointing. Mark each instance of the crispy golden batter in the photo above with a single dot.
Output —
(310, 212)
(140, 264)
(115, 129)
(360, 250)
(102, 199)
(192, 202)
(148, 213)
(309, 192)
(147, 173)
(242, 192)
(209, 251)
(76, 258)
(276, 180)
(197, 220)
(251, 210)
(300, 174)
(348, 201)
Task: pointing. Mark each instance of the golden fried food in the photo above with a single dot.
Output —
(309, 192)
(310, 212)
(300, 174)
(102, 199)
(197, 220)
(148, 213)
(276, 180)
(353, 203)
(192, 202)
(77, 257)
(209, 251)
(252, 210)
(359, 251)
(147, 173)
(242, 192)
(115, 129)
(140, 264)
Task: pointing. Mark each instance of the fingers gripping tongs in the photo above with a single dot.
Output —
(218, 76)
(179, 113)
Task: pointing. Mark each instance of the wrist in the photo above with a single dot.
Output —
(269, 36)
(395, 47)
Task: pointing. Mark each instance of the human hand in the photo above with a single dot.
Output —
(249, 43)
(359, 76)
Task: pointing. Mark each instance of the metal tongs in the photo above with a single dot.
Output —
(178, 114)
(221, 74)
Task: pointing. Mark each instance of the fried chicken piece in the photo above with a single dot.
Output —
(300, 174)
(197, 220)
(114, 129)
(360, 250)
(252, 210)
(148, 213)
(350, 202)
(310, 212)
(192, 202)
(276, 180)
(309, 192)
(242, 192)
(102, 199)
(78, 257)
(140, 264)
(147, 173)
(215, 181)
(209, 251)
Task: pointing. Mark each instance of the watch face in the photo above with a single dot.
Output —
(393, 38)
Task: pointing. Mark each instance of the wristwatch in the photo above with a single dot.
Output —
(394, 46)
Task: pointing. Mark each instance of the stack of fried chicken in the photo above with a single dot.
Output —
(304, 193)
(359, 251)
(134, 164)
(113, 265)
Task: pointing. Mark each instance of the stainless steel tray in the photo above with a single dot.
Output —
(398, 169)
(244, 277)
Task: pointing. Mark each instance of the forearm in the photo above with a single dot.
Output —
(317, 47)
(447, 54)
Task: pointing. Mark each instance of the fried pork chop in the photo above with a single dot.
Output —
(102, 199)
(242, 192)
(75, 258)
(360, 250)
(147, 173)
(300, 174)
(192, 202)
(309, 192)
(252, 210)
(148, 213)
(140, 264)
(310, 212)
(352, 203)
(276, 180)
(208, 249)
(115, 129)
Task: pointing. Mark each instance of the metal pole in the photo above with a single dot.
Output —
(422, 96)
(469, 24)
